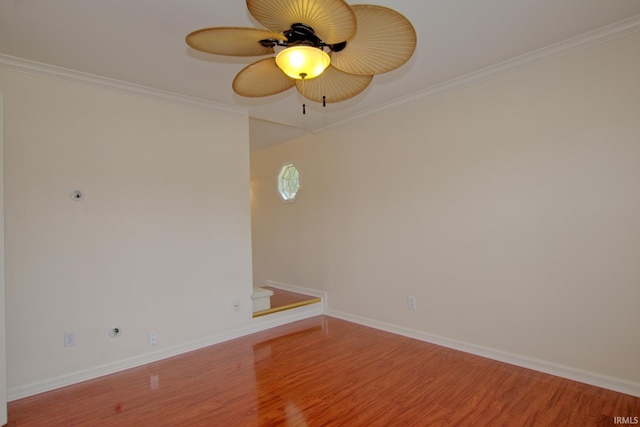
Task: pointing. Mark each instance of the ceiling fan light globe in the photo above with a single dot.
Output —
(300, 62)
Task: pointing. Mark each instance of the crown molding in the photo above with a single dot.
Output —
(592, 38)
(37, 68)
(566, 47)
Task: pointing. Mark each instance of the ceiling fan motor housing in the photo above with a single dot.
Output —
(302, 35)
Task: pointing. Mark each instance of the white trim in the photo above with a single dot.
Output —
(37, 68)
(566, 47)
(263, 323)
(259, 324)
(3, 322)
(598, 380)
(299, 289)
(591, 38)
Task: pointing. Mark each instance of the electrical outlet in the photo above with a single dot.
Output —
(411, 303)
(69, 339)
(153, 339)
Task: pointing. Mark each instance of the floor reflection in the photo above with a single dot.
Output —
(276, 406)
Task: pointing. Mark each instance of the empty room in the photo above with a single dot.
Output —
(436, 223)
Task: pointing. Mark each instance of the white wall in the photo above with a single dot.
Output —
(510, 209)
(161, 242)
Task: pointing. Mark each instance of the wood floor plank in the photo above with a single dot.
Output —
(325, 372)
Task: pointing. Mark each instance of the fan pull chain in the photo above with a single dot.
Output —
(304, 106)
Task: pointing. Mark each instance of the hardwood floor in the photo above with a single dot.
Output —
(325, 372)
(285, 300)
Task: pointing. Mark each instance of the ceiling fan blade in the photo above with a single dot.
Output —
(385, 40)
(332, 20)
(334, 85)
(232, 41)
(262, 78)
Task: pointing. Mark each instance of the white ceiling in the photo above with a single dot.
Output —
(142, 42)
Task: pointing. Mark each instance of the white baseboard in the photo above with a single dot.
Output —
(598, 380)
(257, 324)
(273, 320)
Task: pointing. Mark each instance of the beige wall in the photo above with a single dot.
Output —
(161, 242)
(510, 209)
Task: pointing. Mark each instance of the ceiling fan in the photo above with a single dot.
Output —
(327, 49)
